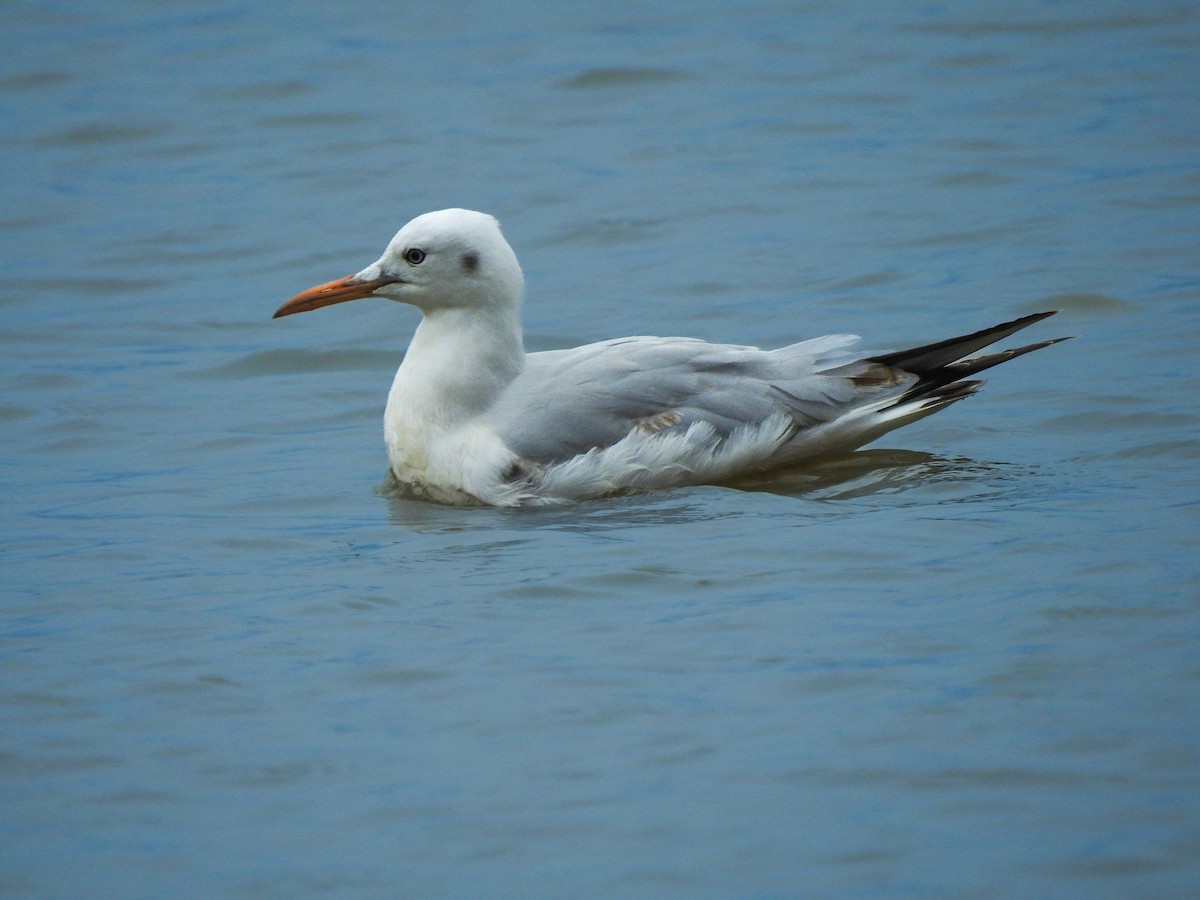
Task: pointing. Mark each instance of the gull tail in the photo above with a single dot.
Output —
(909, 385)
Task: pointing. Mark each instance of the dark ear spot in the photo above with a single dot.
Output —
(470, 262)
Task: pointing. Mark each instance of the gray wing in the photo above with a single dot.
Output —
(567, 402)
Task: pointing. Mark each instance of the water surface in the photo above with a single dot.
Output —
(963, 662)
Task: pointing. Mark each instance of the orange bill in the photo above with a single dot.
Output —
(339, 291)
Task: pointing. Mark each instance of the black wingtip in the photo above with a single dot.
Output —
(931, 358)
(942, 366)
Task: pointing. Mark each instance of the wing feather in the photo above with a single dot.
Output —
(567, 402)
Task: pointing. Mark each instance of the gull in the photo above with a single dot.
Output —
(472, 419)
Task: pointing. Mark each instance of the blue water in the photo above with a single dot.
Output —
(964, 662)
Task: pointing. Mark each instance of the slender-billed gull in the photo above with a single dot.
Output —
(474, 419)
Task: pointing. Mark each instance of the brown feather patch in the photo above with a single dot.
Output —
(653, 424)
(877, 376)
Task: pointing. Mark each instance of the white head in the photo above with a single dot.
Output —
(449, 259)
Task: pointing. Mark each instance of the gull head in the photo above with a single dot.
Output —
(449, 259)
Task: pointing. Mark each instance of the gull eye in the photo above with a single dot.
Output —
(414, 256)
